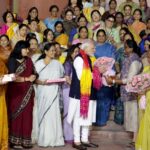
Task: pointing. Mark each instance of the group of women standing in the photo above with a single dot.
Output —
(21, 95)
(30, 105)
(33, 110)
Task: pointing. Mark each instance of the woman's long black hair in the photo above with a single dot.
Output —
(132, 44)
(17, 52)
(46, 33)
(70, 52)
(29, 17)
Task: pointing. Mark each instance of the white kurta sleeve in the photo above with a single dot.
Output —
(78, 65)
(134, 69)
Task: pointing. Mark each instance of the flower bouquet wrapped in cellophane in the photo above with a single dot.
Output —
(107, 63)
(139, 83)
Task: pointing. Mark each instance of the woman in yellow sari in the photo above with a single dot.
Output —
(3, 110)
(20, 34)
(33, 15)
(96, 6)
(62, 38)
(10, 27)
(143, 138)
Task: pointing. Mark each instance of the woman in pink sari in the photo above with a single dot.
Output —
(10, 27)
(20, 95)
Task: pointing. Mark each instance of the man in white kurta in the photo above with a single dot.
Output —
(80, 124)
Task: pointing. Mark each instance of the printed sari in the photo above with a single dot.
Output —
(3, 112)
(20, 104)
(10, 31)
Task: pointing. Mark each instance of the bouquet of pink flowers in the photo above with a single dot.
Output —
(139, 83)
(107, 63)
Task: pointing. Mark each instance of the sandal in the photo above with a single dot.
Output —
(13, 146)
(131, 145)
(27, 147)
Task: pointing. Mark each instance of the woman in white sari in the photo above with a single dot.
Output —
(49, 118)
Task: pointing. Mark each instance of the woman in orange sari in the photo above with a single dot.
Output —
(3, 110)
(5, 48)
(137, 26)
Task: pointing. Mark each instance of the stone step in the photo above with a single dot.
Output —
(111, 132)
(102, 146)
(111, 126)
(110, 136)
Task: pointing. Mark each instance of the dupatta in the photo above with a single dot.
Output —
(11, 30)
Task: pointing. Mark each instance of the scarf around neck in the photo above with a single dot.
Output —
(85, 85)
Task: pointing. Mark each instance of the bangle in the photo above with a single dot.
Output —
(113, 81)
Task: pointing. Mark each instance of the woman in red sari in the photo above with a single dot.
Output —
(20, 95)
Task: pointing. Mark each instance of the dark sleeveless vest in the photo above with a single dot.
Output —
(75, 84)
